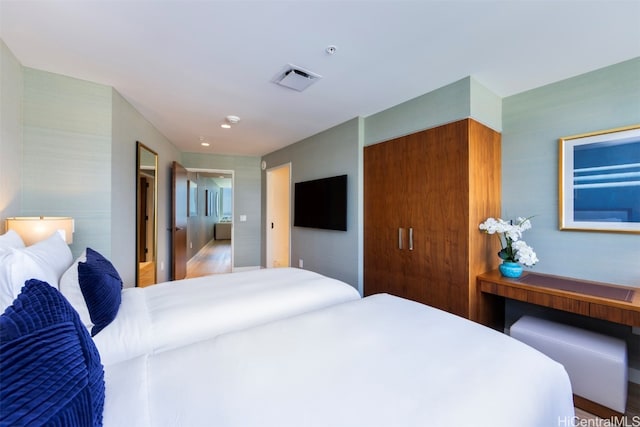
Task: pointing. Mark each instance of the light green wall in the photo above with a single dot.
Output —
(340, 150)
(336, 151)
(69, 148)
(78, 180)
(532, 123)
(11, 91)
(67, 155)
(444, 105)
(458, 100)
(129, 126)
(246, 186)
(485, 106)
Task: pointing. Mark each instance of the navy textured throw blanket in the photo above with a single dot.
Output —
(50, 370)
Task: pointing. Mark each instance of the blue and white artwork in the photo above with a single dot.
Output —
(600, 181)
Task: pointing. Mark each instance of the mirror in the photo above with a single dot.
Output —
(146, 215)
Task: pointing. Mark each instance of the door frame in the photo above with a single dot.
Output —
(270, 188)
(179, 221)
(233, 201)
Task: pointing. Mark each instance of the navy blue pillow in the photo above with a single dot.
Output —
(101, 288)
(50, 368)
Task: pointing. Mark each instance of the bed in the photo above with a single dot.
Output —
(129, 322)
(172, 314)
(379, 361)
(261, 348)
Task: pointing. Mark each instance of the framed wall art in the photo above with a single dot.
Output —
(599, 181)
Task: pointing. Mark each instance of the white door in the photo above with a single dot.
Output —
(279, 216)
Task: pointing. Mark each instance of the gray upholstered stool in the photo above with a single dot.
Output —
(596, 363)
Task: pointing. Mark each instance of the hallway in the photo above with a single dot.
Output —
(213, 258)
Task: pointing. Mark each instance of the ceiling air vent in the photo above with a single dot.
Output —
(296, 78)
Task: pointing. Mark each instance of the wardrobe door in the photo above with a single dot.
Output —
(385, 231)
(424, 196)
(415, 226)
(443, 209)
(417, 190)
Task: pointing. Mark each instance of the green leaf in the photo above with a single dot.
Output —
(506, 254)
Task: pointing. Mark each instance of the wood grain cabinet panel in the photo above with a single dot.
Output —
(614, 314)
(559, 303)
(424, 196)
(493, 289)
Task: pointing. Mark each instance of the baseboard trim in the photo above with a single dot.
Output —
(200, 252)
(596, 408)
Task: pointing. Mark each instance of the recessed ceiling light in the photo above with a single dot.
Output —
(230, 120)
(204, 144)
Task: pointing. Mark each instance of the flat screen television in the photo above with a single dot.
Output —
(321, 203)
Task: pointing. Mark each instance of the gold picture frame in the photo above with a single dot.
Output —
(599, 181)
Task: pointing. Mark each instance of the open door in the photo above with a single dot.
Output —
(279, 216)
(179, 222)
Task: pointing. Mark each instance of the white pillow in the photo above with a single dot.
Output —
(10, 239)
(70, 288)
(53, 252)
(46, 260)
(16, 267)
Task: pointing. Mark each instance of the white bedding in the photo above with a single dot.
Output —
(172, 314)
(378, 361)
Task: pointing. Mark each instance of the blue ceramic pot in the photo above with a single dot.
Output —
(510, 269)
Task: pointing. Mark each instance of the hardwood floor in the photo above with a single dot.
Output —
(146, 274)
(213, 258)
(633, 410)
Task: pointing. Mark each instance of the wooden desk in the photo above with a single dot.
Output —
(493, 289)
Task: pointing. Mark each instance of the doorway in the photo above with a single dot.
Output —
(279, 216)
(209, 242)
(179, 199)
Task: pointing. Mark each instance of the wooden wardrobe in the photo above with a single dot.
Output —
(424, 196)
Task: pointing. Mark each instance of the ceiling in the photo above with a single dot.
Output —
(186, 65)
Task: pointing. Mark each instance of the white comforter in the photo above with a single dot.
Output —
(173, 314)
(379, 361)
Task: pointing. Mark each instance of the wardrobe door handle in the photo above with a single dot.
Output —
(400, 233)
(411, 238)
